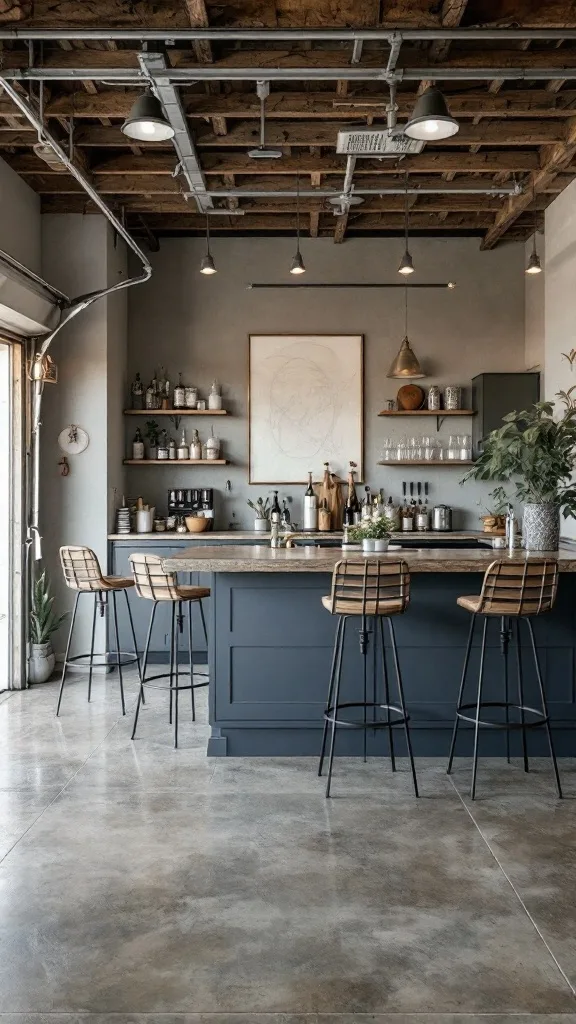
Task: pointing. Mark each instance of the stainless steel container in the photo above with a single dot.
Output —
(434, 397)
(452, 397)
(442, 518)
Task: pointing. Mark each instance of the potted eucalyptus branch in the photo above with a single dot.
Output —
(262, 509)
(537, 452)
(43, 624)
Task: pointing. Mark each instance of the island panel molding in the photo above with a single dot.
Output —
(305, 405)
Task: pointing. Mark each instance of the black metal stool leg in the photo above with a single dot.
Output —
(203, 622)
(115, 616)
(335, 705)
(386, 692)
(364, 652)
(190, 649)
(521, 696)
(461, 694)
(144, 665)
(171, 663)
(91, 669)
(330, 690)
(176, 626)
(505, 643)
(544, 708)
(403, 704)
(478, 706)
(132, 630)
(68, 643)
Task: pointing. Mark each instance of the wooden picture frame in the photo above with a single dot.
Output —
(305, 406)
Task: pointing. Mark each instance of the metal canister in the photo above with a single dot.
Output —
(421, 521)
(452, 397)
(191, 397)
(434, 397)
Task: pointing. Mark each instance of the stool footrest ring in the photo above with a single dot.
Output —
(540, 717)
(331, 713)
(113, 660)
(166, 675)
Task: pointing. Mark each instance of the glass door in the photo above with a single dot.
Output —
(11, 506)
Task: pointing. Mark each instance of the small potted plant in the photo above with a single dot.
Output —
(152, 429)
(43, 624)
(262, 509)
(536, 451)
(373, 534)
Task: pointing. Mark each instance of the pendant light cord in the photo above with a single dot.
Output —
(406, 310)
(406, 213)
(298, 212)
(208, 253)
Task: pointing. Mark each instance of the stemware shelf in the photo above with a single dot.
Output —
(407, 463)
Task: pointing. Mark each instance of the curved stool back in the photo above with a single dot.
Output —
(370, 587)
(151, 581)
(521, 587)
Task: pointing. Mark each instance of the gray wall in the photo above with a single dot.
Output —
(200, 326)
(78, 257)
(20, 220)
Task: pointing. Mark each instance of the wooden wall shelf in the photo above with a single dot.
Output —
(176, 412)
(407, 463)
(428, 412)
(175, 462)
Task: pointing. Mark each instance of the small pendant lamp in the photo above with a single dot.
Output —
(297, 261)
(431, 120)
(207, 265)
(406, 263)
(406, 364)
(146, 121)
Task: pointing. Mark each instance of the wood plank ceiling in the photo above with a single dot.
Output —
(512, 131)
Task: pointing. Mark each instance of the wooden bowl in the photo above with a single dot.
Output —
(410, 397)
(196, 524)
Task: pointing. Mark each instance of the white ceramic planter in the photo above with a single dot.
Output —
(262, 525)
(381, 544)
(368, 545)
(41, 663)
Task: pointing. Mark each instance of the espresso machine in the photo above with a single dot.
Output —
(192, 501)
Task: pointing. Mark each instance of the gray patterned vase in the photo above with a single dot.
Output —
(541, 526)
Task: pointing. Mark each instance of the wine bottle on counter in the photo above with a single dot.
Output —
(352, 507)
(367, 505)
(276, 511)
(310, 506)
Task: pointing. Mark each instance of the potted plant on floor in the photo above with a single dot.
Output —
(537, 452)
(262, 509)
(43, 624)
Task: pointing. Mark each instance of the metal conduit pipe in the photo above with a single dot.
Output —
(73, 308)
(286, 35)
(319, 193)
(207, 73)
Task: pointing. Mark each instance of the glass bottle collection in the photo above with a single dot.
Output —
(161, 395)
(161, 446)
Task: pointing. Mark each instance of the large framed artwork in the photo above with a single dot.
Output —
(305, 405)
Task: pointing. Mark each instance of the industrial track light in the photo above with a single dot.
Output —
(146, 121)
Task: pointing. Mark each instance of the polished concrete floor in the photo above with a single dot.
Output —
(139, 883)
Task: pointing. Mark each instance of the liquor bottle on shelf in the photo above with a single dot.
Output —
(180, 394)
(310, 506)
(151, 396)
(195, 446)
(172, 449)
(352, 507)
(137, 393)
(138, 445)
(183, 451)
(276, 511)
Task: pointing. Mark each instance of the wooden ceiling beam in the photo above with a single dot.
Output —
(554, 160)
(451, 15)
(487, 162)
(512, 103)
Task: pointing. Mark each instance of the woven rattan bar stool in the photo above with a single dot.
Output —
(154, 584)
(368, 591)
(513, 591)
(83, 574)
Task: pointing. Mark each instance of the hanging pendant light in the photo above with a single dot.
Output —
(297, 261)
(431, 120)
(534, 266)
(207, 265)
(146, 121)
(406, 364)
(406, 263)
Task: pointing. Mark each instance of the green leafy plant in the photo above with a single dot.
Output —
(43, 620)
(370, 529)
(152, 429)
(261, 507)
(536, 452)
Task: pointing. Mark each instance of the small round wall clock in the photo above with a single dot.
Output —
(73, 440)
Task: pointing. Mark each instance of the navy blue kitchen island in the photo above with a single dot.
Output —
(270, 647)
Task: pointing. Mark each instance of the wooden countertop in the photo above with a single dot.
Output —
(263, 558)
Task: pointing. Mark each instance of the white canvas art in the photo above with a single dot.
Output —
(305, 405)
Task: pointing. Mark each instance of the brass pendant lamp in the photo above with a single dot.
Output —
(406, 365)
